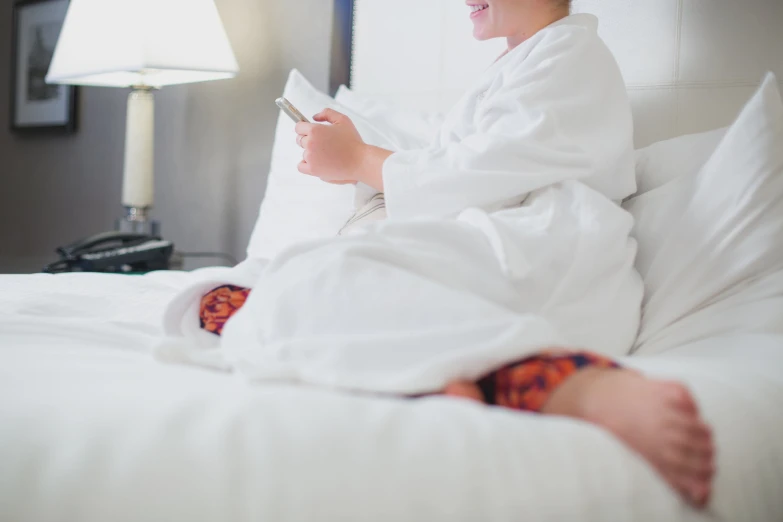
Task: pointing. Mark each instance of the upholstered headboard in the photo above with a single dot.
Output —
(689, 65)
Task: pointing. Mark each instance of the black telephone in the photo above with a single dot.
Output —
(120, 252)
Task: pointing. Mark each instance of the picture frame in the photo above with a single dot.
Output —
(35, 105)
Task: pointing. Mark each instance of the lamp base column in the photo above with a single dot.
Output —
(137, 221)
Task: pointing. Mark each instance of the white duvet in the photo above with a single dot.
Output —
(502, 240)
(92, 429)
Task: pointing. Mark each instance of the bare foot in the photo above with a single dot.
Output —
(658, 419)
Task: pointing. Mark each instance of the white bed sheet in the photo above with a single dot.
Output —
(92, 429)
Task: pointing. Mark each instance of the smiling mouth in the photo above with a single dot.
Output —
(476, 9)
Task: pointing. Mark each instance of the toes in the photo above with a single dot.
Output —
(695, 491)
(690, 468)
(682, 485)
(680, 396)
(699, 492)
(689, 455)
(702, 431)
(689, 458)
(685, 452)
(692, 434)
(690, 464)
(689, 433)
(677, 421)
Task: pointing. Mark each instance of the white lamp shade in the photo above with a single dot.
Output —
(122, 43)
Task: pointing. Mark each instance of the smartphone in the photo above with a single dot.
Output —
(292, 112)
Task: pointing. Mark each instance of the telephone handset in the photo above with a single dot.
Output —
(104, 238)
(114, 252)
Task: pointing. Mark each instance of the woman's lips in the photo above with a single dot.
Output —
(478, 10)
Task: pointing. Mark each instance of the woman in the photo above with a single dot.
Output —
(554, 107)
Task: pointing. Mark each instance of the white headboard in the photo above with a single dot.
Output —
(689, 65)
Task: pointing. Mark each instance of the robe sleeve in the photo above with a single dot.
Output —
(520, 139)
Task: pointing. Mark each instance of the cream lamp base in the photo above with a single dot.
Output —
(138, 175)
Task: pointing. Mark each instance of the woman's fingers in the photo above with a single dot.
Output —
(303, 128)
(304, 168)
(330, 152)
(329, 116)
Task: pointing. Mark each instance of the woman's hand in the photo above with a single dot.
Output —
(331, 152)
(336, 153)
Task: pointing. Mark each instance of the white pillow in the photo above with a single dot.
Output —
(664, 161)
(711, 242)
(412, 128)
(297, 207)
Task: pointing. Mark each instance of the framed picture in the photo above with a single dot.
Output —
(36, 105)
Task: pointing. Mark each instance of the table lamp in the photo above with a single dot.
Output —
(143, 45)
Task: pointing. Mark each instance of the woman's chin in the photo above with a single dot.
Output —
(480, 34)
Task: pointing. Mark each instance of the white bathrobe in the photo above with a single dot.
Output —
(503, 239)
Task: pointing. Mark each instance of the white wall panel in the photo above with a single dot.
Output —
(707, 108)
(397, 46)
(726, 41)
(654, 114)
(642, 35)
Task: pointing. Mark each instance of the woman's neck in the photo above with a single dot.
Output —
(533, 23)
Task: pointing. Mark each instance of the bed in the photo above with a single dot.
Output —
(93, 429)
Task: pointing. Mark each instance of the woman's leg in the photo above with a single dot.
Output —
(658, 419)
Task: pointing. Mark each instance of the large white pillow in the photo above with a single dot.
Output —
(711, 242)
(297, 207)
(666, 160)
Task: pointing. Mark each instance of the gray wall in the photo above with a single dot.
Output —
(213, 143)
